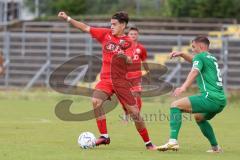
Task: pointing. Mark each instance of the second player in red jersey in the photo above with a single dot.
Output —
(135, 73)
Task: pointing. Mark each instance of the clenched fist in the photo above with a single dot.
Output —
(62, 15)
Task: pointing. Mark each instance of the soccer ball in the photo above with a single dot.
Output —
(87, 140)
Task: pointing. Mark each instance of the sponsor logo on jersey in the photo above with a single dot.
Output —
(113, 47)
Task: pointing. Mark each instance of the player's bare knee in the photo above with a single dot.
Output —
(136, 116)
(133, 111)
(198, 117)
(174, 104)
(96, 102)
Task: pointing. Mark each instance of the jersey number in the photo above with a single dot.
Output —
(136, 57)
(218, 74)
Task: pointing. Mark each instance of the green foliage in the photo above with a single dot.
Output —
(204, 8)
(47, 7)
(73, 7)
(165, 8)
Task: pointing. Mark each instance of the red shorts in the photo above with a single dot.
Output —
(135, 79)
(106, 86)
(120, 87)
(136, 85)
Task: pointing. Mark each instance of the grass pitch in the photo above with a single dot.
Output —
(29, 130)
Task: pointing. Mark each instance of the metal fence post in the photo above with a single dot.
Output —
(89, 52)
(68, 41)
(179, 44)
(1, 12)
(225, 62)
(89, 45)
(7, 52)
(138, 7)
(23, 38)
(48, 60)
(5, 15)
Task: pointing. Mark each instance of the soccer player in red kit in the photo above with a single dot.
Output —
(117, 54)
(139, 58)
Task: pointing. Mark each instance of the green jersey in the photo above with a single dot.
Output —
(209, 80)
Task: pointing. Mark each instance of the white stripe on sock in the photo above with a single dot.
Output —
(105, 135)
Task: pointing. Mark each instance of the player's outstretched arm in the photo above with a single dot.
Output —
(186, 57)
(77, 24)
(188, 82)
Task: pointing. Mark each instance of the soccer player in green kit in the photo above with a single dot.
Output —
(205, 105)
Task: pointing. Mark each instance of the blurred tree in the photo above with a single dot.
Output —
(73, 7)
(47, 7)
(167, 8)
(100, 6)
(204, 8)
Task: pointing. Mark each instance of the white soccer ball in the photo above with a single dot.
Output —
(87, 140)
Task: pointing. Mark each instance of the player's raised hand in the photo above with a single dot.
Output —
(62, 15)
(121, 54)
(175, 54)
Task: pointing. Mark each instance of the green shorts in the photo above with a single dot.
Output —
(203, 105)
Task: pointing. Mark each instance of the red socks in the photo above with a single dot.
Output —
(102, 126)
(144, 134)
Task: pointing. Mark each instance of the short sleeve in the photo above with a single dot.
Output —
(99, 33)
(143, 53)
(197, 63)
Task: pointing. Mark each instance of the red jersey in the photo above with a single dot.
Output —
(139, 55)
(111, 46)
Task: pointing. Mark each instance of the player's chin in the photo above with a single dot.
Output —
(113, 33)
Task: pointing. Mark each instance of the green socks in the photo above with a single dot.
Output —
(175, 122)
(207, 131)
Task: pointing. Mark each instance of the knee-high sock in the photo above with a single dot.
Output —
(102, 126)
(144, 134)
(175, 122)
(207, 131)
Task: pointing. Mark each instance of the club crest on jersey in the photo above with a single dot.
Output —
(138, 51)
(124, 44)
(113, 47)
(195, 63)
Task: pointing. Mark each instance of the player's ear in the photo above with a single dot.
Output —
(201, 46)
(124, 25)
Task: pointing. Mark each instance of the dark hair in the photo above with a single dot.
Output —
(121, 16)
(133, 28)
(202, 39)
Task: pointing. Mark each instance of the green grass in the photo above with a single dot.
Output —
(29, 130)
